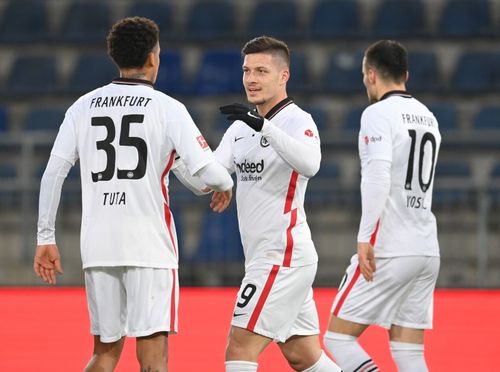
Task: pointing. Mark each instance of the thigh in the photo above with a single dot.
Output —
(270, 299)
(376, 302)
(106, 298)
(416, 309)
(306, 322)
(152, 300)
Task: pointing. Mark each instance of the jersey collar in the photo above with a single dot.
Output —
(278, 107)
(128, 81)
(400, 93)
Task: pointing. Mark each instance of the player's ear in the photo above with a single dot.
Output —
(285, 76)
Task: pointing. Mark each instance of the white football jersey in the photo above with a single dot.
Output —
(126, 135)
(270, 194)
(401, 130)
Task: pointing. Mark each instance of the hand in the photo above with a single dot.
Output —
(47, 263)
(237, 111)
(366, 258)
(220, 200)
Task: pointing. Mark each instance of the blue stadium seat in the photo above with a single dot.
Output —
(24, 21)
(159, 11)
(220, 238)
(44, 118)
(275, 18)
(3, 120)
(7, 170)
(87, 22)
(170, 79)
(9, 196)
(219, 73)
(465, 18)
(31, 75)
(451, 180)
(211, 20)
(446, 115)
(300, 79)
(396, 19)
(424, 73)
(335, 19)
(92, 71)
(352, 119)
(476, 72)
(488, 118)
(343, 74)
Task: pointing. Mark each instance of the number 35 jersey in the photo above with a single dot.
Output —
(401, 130)
(126, 135)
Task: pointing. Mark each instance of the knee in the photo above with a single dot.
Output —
(300, 360)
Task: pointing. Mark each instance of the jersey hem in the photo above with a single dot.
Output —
(128, 263)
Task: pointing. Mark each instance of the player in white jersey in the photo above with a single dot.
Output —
(128, 137)
(391, 280)
(273, 150)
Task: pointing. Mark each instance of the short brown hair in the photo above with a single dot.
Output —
(389, 58)
(267, 44)
(131, 40)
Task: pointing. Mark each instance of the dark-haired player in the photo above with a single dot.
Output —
(391, 280)
(128, 137)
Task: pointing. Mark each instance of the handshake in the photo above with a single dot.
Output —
(237, 111)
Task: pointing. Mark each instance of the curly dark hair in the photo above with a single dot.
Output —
(267, 44)
(131, 40)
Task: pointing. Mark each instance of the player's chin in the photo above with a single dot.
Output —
(254, 100)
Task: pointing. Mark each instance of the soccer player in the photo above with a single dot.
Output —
(273, 150)
(391, 280)
(127, 136)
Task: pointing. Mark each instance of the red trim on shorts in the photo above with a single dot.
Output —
(263, 298)
(166, 209)
(172, 303)
(289, 239)
(347, 290)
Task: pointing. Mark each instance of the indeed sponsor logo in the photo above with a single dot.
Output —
(248, 167)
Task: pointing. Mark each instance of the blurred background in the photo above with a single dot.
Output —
(52, 51)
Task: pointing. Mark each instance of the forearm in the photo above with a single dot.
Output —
(375, 188)
(302, 157)
(50, 195)
(215, 176)
(193, 183)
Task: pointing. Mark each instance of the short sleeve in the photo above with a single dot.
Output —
(66, 144)
(375, 136)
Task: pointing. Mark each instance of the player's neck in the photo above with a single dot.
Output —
(133, 73)
(264, 108)
(386, 88)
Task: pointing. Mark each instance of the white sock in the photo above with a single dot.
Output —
(241, 366)
(348, 353)
(324, 364)
(408, 357)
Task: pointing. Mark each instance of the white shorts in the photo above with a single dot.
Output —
(277, 302)
(131, 301)
(401, 293)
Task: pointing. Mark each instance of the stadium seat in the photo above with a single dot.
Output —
(488, 118)
(211, 20)
(9, 193)
(465, 18)
(219, 73)
(24, 21)
(446, 115)
(300, 79)
(352, 119)
(3, 120)
(452, 182)
(44, 119)
(476, 72)
(275, 18)
(170, 79)
(159, 11)
(92, 71)
(220, 238)
(396, 19)
(424, 73)
(86, 22)
(335, 19)
(343, 74)
(31, 75)
(319, 116)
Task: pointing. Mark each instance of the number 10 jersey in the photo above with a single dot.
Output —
(126, 135)
(401, 130)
